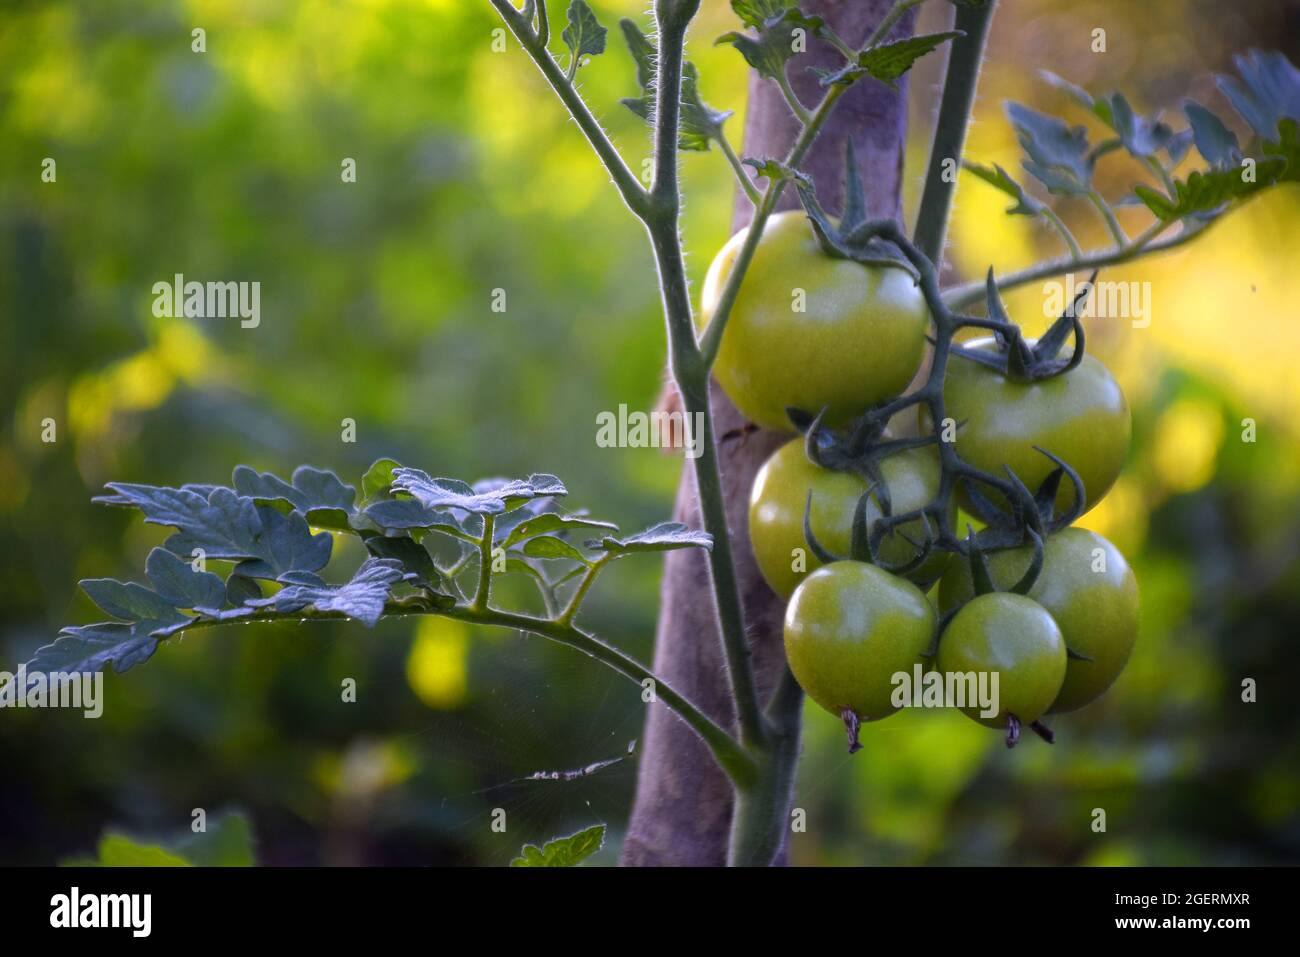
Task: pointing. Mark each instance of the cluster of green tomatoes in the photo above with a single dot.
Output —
(811, 332)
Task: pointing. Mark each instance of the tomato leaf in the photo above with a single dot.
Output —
(998, 178)
(698, 123)
(361, 598)
(177, 583)
(663, 537)
(1056, 154)
(1267, 93)
(563, 851)
(584, 36)
(95, 647)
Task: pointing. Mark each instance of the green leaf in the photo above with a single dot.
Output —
(1214, 141)
(118, 850)
(754, 13)
(1202, 194)
(361, 598)
(563, 851)
(311, 488)
(552, 522)
(95, 647)
(417, 565)
(404, 513)
(666, 536)
(130, 602)
(584, 36)
(488, 498)
(774, 45)
(548, 546)
(1057, 153)
(698, 122)
(227, 525)
(889, 61)
(226, 842)
(240, 590)
(177, 583)
(375, 483)
(997, 177)
(1268, 92)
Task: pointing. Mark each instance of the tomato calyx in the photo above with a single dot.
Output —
(855, 236)
(1016, 357)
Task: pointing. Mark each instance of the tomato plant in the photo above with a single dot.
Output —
(1091, 592)
(814, 320)
(1080, 415)
(789, 485)
(810, 331)
(849, 628)
(1015, 638)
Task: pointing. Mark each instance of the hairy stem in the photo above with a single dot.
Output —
(692, 377)
(961, 297)
(950, 129)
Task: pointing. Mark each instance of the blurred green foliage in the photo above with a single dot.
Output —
(376, 306)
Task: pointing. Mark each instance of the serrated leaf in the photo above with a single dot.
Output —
(549, 522)
(404, 513)
(754, 13)
(1268, 91)
(998, 178)
(311, 488)
(1143, 136)
(417, 565)
(95, 647)
(177, 583)
(663, 537)
(378, 478)
(584, 36)
(229, 526)
(889, 61)
(1214, 141)
(550, 547)
(118, 850)
(488, 499)
(563, 851)
(698, 123)
(1057, 154)
(1204, 193)
(130, 602)
(241, 589)
(362, 598)
(774, 45)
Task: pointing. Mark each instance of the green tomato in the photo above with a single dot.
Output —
(1080, 416)
(780, 495)
(849, 628)
(1014, 637)
(810, 331)
(1087, 587)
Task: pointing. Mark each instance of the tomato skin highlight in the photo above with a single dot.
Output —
(1081, 416)
(780, 495)
(848, 629)
(858, 341)
(1091, 592)
(1015, 637)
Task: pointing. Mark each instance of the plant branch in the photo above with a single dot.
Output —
(950, 128)
(963, 296)
(1108, 217)
(1059, 225)
(742, 177)
(485, 564)
(691, 375)
(534, 45)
